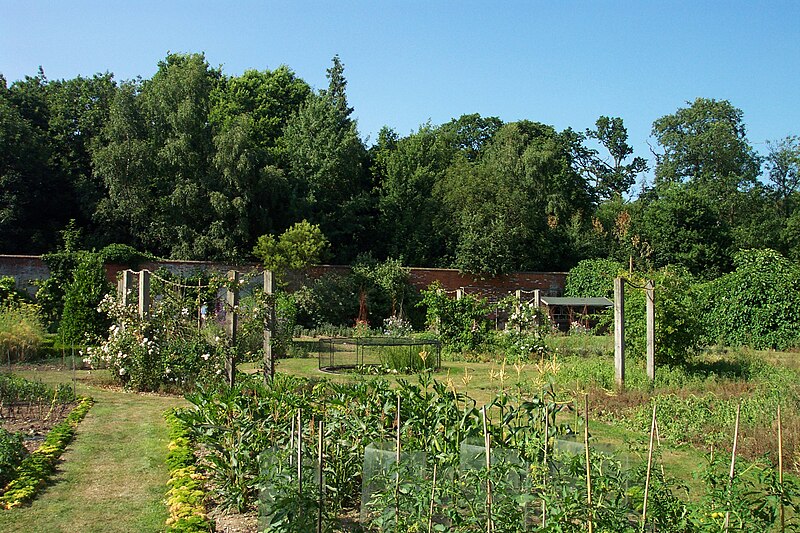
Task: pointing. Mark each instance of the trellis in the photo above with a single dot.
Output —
(142, 280)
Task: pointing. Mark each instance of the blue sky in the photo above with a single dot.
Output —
(562, 63)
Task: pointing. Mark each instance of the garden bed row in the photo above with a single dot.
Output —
(32, 473)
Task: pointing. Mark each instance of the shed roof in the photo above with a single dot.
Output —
(577, 302)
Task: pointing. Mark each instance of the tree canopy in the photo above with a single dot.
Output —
(193, 163)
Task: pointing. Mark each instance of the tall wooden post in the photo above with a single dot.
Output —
(651, 330)
(537, 298)
(231, 323)
(269, 323)
(144, 293)
(619, 332)
(459, 294)
(518, 309)
(124, 287)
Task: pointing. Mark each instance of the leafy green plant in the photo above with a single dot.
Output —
(756, 305)
(462, 324)
(81, 317)
(12, 451)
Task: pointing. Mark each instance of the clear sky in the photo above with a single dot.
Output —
(559, 62)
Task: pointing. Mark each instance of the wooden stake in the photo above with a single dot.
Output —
(780, 467)
(733, 466)
(649, 467)
(658, 443)
(588, 461)
(488, 450)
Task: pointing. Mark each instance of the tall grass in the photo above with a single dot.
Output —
(22, 331)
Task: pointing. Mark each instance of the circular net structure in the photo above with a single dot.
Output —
(393, 354)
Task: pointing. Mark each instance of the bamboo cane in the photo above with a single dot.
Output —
(588, 461)
(433, 495)
(780, 468)
(397, 468)
(546, 467)
(488, 451)
(321, 486)
(300, 453)
(649, 467)
(291, 442)
(733, 466)
(658, 443)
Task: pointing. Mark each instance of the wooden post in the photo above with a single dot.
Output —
(537, 298)
(124, 287)
(459, 294)
(231, 324)
(269, 324)
(144, 293)
(619, 332)
(518, 308)
(651, 330)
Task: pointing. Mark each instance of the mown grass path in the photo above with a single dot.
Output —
(113, 476)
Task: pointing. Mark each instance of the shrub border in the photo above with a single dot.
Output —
(186, 496)
(32, 473)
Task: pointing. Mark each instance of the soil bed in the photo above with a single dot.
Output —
(33, 421)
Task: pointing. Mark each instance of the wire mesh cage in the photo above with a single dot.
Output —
(399, 354)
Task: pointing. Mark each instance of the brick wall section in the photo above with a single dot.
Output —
(25, 268)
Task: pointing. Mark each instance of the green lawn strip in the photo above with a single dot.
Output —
(186, 496)
(113, 477)
(34, 471)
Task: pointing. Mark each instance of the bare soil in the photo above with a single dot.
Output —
(33, 421)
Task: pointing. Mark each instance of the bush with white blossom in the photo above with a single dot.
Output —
(164, 350)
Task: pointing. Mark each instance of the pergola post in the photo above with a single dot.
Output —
(651, 330)
(619, 332)
(231, 323)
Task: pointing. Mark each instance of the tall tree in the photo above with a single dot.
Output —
(325, 160)
(783, 170)
(26, 188)
(507, 210)
(705, 145)
(611, 177)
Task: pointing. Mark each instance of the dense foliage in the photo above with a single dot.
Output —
(758, 304)
(193, 163)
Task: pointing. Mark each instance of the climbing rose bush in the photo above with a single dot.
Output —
(164, 350)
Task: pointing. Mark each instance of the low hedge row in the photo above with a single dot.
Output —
(186, 495)
(32, 473)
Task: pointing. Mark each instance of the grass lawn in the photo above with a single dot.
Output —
(113, 475)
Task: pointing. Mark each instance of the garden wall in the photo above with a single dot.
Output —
(26, 268)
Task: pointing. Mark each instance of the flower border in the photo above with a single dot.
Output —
(186, 496)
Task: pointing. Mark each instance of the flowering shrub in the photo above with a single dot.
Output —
(395, 326)
(522, 346)
(161, 350)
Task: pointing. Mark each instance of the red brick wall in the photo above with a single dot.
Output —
(26, 268)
